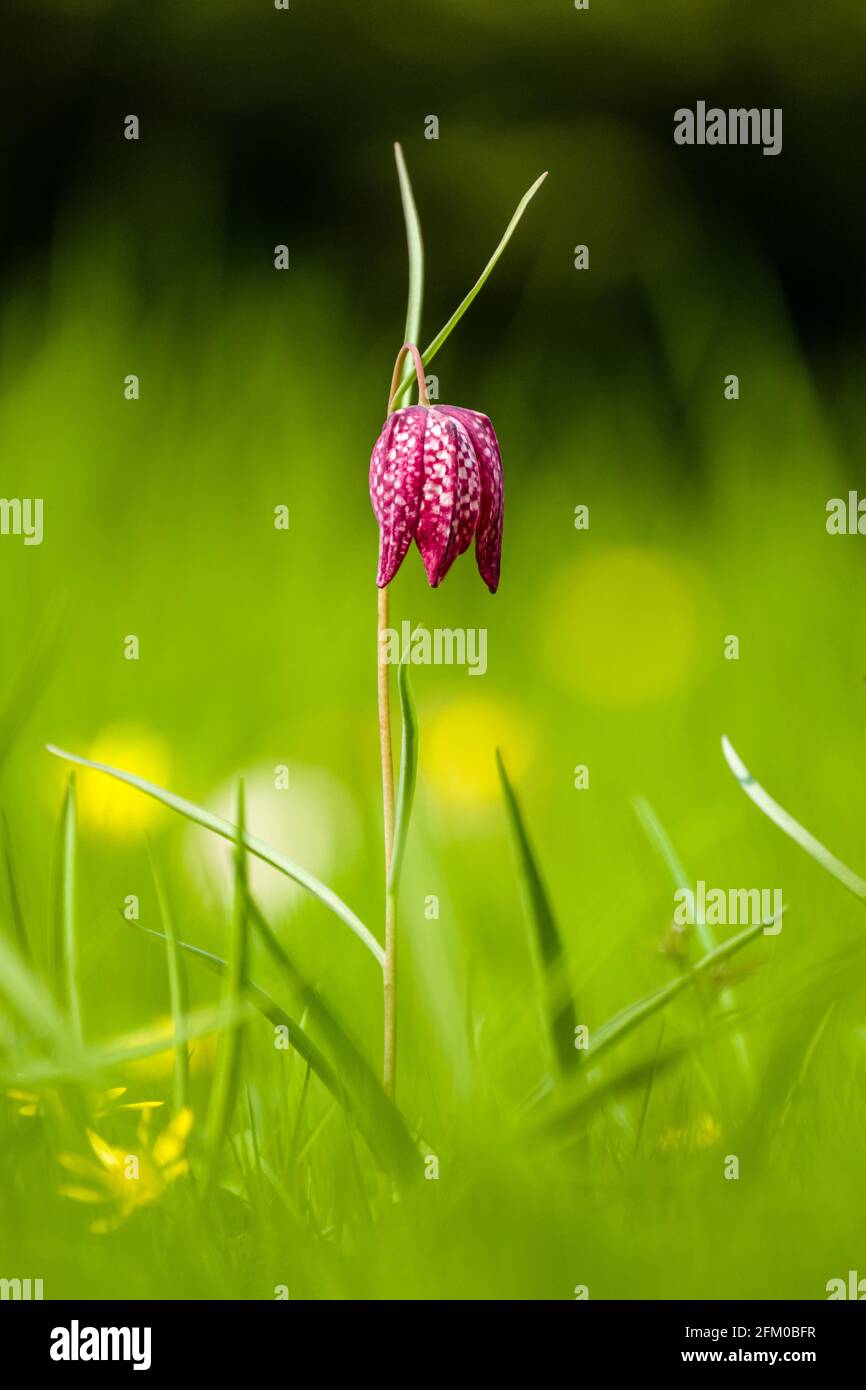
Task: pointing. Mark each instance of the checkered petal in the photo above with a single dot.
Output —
(488, 536)
(451, 496)
(396, 481)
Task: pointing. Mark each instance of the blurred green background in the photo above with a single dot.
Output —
(605, 646)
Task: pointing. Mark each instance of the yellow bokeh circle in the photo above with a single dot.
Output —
(622, 627)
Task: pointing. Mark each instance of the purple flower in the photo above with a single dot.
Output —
(436, 476)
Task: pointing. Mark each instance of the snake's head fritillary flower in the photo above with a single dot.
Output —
(488, 533)
(436, 477)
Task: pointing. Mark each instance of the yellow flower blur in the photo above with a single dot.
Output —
(458, 752)
(124, 1181)
(108, 807)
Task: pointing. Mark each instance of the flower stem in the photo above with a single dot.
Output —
(390, 969)
(398, 372)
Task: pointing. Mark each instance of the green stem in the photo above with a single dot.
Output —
(390, 965)
(387, 759)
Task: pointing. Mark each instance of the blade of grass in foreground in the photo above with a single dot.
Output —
(65, 935)
(444, 333)
(561, 1018)
(30, 998)
(177, 987)
(616, 1029)
(408, 774)
(89, 1063)
(18, 923)
(792, 828)
(30, 681)
(228, 1061)
(415, 247)
(228, 831)
(363, 1097)
(591, 1089)
(658, 837)
(355, 1088)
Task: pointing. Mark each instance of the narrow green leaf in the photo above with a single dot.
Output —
(659, 839)
(228, 831)
(354, 1087)
(444, 333)
(68, 933)
(364, 1099)
(30, 997)
(228, 1060)
(792, 828)
(408, 774)
(568, 1113)
(616, 1029)
(177, 987)
(104, 1058)
(415, 246)
(662, 844)
(17, 915)
(561, 1017)
(31, 679)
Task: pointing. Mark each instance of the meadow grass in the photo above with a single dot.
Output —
(606, 650)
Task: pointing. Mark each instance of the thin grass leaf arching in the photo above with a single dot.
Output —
(351, 1082)
(791, 827)
(661, 842)
(408, 774)
(177, 984)
(227, 1070)
(559, 1004)
(19, 925)
(65, 933)
(227, 831)
(415, 248)
(445, 332)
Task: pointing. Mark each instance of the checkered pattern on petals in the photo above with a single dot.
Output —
(451, 497)
(396, 481)
(436, 475)
(488, 536)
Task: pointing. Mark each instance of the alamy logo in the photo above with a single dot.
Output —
(76, 1343)
(846, 517)
(24, 1289)
(731, 907)
(736, 126)
(22, 516)
(854, 1288)
(443, 646)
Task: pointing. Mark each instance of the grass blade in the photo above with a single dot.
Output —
(561, 1018)
(408, 774)
(415, 247)
(658, 837)
(618, 1028)
(792, 828)
(95, 1061)
(66, 938)
(228, 831)
(662, 844)
(31, 679)
(355, 1088)
(177, 986)
(364, 1099)
(17, 915)
(30, 997)
(227, 1069)
(444, 333)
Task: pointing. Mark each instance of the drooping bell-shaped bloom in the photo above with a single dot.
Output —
(436, 477)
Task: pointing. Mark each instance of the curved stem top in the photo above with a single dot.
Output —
(397, 376)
